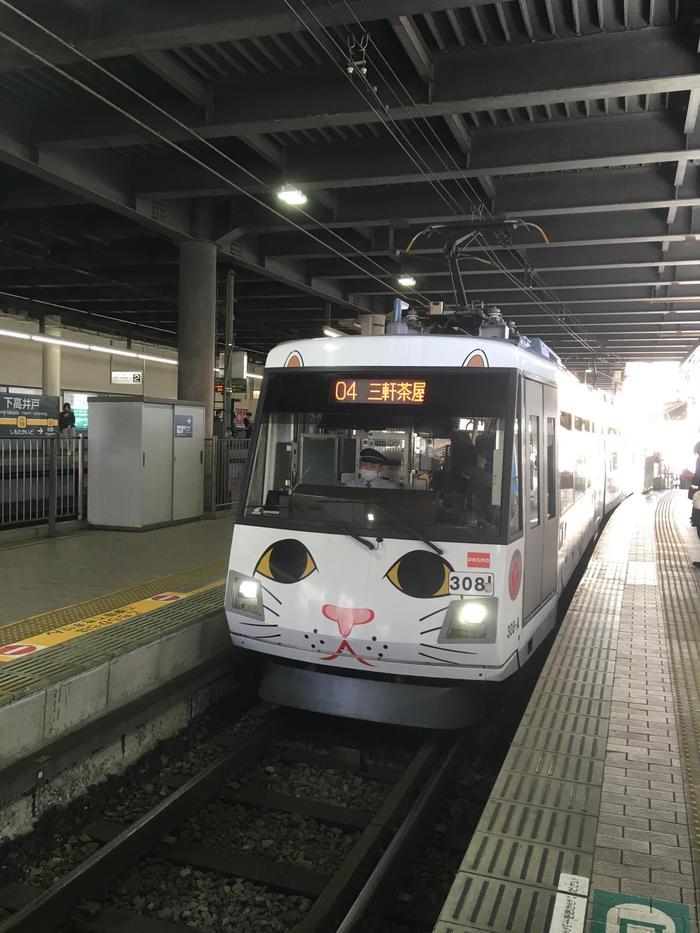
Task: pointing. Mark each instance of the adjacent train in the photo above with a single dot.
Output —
(414, 505)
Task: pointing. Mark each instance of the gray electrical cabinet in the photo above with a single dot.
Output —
(146, 462)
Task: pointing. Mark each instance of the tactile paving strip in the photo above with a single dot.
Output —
(57, 664)
(681, 608)
(541, 819)
(183, 582)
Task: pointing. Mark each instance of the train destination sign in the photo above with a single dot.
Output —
(383, 391)
(28, 415)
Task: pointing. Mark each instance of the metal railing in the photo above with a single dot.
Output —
(226, 465)
(42, 480)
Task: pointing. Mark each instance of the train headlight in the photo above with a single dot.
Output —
(471, 619)
(472, 612)
(243, 594)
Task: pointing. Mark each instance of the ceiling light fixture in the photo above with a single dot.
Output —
(406, 281)
(331, 331)
(73, 344)
(292, 196)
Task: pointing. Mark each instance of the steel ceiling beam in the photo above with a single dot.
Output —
(649, 61)
(645, 138)
(130, 27)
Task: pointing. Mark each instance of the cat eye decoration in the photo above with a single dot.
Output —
(420, 574)
(286, 561)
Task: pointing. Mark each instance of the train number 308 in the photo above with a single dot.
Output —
(471, 583)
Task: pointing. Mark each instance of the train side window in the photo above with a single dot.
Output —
(551, 484)
(514, 516)
(533, 449)
(565, 420)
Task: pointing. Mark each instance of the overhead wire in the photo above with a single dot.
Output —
(390, 124)
(173, 145)
(464, 178)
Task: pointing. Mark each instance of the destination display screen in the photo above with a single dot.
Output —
(382, 391)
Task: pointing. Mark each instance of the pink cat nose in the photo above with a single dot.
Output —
(346, 618)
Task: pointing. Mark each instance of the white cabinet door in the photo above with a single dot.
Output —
(156, 463)
(188, 466)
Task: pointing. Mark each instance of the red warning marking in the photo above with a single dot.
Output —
(167, 597)
(16, 651)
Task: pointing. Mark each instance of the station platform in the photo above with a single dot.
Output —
(93, 623)
(594, 820)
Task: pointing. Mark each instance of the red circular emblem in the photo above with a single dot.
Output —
(515, 574)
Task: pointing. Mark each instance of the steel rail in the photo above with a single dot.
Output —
(54, 905)
(366, 908)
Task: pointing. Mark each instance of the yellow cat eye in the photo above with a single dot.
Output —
(421, 574)
(286, 561)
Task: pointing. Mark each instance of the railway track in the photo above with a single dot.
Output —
(341, 899)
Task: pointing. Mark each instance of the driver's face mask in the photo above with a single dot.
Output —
(368, 474)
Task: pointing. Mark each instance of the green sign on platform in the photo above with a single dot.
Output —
(240, 386)
(622, 913)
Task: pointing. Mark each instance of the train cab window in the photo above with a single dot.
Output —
(533, 452)
(551, 481)
(386, 453)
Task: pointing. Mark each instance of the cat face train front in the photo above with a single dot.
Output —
(333, 602)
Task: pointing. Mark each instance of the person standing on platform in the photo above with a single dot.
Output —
(66, 420)
(694, 495)
(247, 425)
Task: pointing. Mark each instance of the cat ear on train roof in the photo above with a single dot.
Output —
(294, 360)
(477, 359)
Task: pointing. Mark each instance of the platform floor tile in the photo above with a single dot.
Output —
(594, 818)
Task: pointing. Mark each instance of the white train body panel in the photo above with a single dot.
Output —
(330, 601)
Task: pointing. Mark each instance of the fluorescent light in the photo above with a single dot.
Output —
(113, 352)
(292, 196)
(156, 359)
(42, 338)
(331, 331)
(406, 281)
(253, 375)
(60, 342)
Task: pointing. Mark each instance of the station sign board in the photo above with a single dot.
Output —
(31, 416)
(124, 377)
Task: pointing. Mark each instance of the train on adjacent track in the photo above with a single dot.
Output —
(413, 507)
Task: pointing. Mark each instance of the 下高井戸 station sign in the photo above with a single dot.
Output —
(28, 415)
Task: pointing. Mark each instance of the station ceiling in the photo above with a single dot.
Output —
(128, 126)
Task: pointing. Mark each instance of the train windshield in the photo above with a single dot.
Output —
(402, 453)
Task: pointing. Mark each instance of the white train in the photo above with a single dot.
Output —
(394, 598)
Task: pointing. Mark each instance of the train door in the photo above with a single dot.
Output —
(541, 535)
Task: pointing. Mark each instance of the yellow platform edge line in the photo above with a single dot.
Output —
(56, 636)
(216, 566)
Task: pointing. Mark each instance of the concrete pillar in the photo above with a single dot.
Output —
(51, 359)
(197, 326)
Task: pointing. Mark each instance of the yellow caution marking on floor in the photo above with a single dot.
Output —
(56, 636)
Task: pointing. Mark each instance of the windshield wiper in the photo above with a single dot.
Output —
(352, 534)
(414, 531)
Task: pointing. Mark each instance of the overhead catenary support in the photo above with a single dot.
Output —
(197, 326)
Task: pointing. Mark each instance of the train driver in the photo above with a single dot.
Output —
(372, 462)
